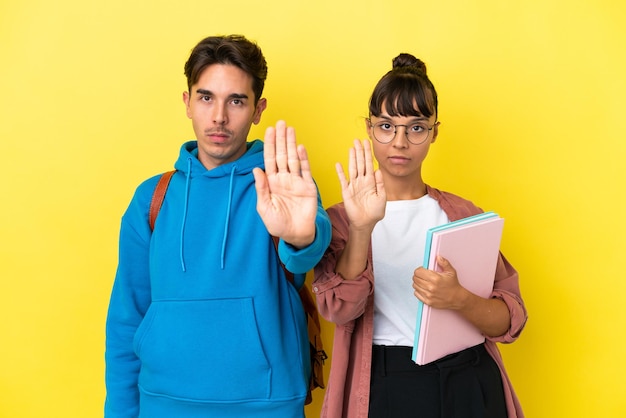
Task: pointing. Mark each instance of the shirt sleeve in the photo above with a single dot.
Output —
(130, 299)
(506, 288)
(340, 300)
(300, 261)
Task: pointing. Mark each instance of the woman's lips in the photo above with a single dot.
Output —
(397, 159)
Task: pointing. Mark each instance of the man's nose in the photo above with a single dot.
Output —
(220, 115)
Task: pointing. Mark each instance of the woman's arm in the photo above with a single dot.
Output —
(340, 300)
(493, 316)
(343, 279)
(364, 200)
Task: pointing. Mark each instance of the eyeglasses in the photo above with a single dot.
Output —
(416, 133)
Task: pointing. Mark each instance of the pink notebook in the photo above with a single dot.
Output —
(472, 246)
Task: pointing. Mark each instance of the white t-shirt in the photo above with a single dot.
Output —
(398, 249)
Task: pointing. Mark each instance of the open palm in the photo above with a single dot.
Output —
(286, 192)
(363, 190)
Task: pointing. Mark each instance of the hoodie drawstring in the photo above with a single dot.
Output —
(182, 227)
(226, 225)
(184, 219)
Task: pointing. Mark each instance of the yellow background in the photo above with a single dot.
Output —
(532, 110)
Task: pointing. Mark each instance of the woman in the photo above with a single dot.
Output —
(369, 281)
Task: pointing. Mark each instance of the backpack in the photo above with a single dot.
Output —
(317, 353)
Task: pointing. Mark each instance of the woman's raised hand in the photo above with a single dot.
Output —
(363, 190)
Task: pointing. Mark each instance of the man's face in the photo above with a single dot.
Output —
(221, 108)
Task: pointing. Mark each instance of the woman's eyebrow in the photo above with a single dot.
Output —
(413, 118)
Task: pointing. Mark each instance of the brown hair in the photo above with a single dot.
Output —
(233, 50)
(406, 90)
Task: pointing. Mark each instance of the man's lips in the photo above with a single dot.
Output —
(218, 136)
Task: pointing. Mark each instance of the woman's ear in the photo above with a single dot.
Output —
(368, 127)
(435, 132)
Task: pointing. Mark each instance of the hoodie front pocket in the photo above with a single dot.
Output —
(204, 350)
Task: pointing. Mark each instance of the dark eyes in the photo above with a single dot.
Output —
(418, 127)
(236, 102)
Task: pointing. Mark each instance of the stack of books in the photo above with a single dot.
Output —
(472, 246)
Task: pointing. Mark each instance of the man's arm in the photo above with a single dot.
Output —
(129, 302)
(289, 203)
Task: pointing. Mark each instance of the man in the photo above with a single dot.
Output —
(202, 321)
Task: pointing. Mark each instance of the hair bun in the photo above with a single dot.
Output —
(408, 60)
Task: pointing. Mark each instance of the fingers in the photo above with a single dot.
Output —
(305, 167)
(282, 153)
(260, 184)
(361, 168)
(269, 151)
(352, 164)
(425, 283)
(293, 156)
(445, 266)
(342, 176)
(380, 184)
(369, 160)
(429, 280)
(281, 146)
(359, 159)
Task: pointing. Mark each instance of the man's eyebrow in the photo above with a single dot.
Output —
(238, 96)
(231, 96)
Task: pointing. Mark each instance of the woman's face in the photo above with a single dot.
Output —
(400, 157)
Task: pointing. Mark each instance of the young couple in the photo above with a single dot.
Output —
(202, 321)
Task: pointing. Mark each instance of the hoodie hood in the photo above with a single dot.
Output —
(189, 165)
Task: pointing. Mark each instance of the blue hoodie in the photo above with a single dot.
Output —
(202, 321)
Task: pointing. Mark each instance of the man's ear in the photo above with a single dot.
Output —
(186, 101)
(260, 107)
